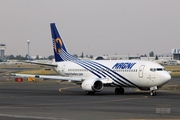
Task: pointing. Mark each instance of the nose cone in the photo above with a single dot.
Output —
(166, 77)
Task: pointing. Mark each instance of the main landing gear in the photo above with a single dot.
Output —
(119, 90)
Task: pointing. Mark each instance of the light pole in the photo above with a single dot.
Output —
(28, 42)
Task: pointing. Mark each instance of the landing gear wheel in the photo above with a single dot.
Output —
(119, 91)
(153, 93)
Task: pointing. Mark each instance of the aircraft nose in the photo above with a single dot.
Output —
(166, 77)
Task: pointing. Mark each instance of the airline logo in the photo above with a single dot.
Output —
(58, 45)
(126, 65)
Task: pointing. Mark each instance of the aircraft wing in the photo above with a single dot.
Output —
(53, 77)
(61, 78)
(46, 64)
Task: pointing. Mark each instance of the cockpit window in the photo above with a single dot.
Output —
(157, 69)
(153, 69)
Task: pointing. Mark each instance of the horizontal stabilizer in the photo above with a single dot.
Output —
(45, 64)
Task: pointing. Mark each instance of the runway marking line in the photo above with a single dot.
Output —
(93, 102)
(30, 117)
(60, 89)
(105, 101)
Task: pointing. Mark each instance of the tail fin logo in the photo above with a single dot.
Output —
(58, 45)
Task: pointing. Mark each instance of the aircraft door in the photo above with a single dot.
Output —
(63, 69)
(141, 69)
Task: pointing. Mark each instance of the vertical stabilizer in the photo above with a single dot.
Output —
(60, 51)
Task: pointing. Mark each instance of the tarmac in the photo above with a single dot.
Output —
(50, 100)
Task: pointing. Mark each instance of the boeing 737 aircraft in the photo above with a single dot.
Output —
(94, 75)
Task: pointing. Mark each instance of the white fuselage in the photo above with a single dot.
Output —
(124, 73)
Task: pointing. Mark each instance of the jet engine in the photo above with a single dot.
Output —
(94, 85)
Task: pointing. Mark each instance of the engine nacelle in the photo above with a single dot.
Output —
(94, 85)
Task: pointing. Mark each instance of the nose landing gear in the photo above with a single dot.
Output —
(153, 93)
(153, 90)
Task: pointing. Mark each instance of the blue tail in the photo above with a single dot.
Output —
(60, 51)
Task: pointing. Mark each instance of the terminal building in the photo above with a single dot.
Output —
(167, 60)
(176, 54)
(2, 51)
(172, 58)
(117, 57)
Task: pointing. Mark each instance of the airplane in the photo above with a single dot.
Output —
(94, 75)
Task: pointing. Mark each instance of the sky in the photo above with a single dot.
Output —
(94, 27)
